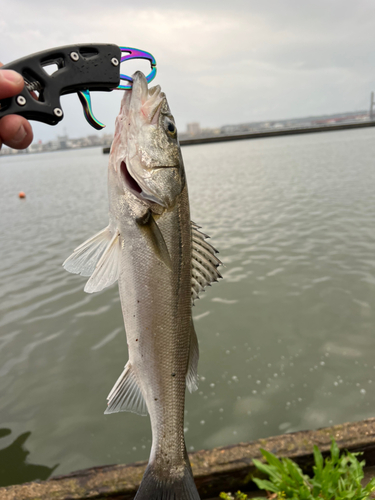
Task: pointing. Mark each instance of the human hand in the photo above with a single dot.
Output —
(15, 131)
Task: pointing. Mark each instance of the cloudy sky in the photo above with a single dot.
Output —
(219, 62)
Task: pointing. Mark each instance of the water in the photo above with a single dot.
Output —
(286, 339)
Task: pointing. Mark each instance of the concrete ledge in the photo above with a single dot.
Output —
(222, 469)
(276, 133)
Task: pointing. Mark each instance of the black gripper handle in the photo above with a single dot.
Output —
(78, 67)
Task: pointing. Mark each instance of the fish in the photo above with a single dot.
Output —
(162, 262)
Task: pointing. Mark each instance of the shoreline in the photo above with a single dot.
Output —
(270, 133)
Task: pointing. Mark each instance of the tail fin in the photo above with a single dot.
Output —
(171, 487)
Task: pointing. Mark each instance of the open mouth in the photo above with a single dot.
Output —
(135, 188)
(131, 183)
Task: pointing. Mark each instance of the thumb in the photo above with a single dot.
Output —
(11, 83)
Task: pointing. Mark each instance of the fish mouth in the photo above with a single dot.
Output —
(133, 186)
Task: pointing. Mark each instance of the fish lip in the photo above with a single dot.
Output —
(133, 186)
(156, 112)
(154, 116)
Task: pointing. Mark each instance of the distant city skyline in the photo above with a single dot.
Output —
(194, 130)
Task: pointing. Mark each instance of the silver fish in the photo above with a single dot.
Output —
(161, 261)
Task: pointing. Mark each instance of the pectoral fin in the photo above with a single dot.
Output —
(107, 270)
(155, 238)
(98, 257)
(85, 257)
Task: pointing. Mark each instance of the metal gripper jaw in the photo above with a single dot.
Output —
(130, 53)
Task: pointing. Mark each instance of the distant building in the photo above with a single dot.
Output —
(62, 142)
(36, 147)
(229, 129)
(95, 140)
(193, 128)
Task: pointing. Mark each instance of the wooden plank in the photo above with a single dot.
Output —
(222, 469)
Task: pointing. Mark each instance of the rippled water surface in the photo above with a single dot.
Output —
(287, 339)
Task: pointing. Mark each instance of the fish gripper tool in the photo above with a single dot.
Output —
(64, 70)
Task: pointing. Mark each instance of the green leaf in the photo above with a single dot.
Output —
(272, 459)
(263, 484)
(318, 457)
(294, 471)
(335, 452)
(266, 469)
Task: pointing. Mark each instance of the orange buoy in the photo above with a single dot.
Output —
(21, 194)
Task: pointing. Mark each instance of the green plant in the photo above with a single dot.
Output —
(237, 496)
(335, 478)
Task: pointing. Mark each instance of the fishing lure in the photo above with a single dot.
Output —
(78, 68)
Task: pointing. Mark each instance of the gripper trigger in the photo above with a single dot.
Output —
(85, 98)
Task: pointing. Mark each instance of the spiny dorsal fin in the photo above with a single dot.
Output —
(204, 262)
(126, 394)
(98, 257)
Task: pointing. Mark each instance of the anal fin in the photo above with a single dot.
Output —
(126, 394)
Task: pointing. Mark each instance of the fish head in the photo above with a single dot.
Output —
(145, 156)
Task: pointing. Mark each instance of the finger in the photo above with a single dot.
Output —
(15, 132)
(11, 83)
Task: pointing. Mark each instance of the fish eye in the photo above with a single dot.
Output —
(171, 128)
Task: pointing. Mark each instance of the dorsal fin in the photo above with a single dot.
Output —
(204, 262)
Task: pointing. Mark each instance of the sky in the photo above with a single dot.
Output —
(219, 62)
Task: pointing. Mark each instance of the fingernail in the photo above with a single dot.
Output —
(19, 135)
(11, 76)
